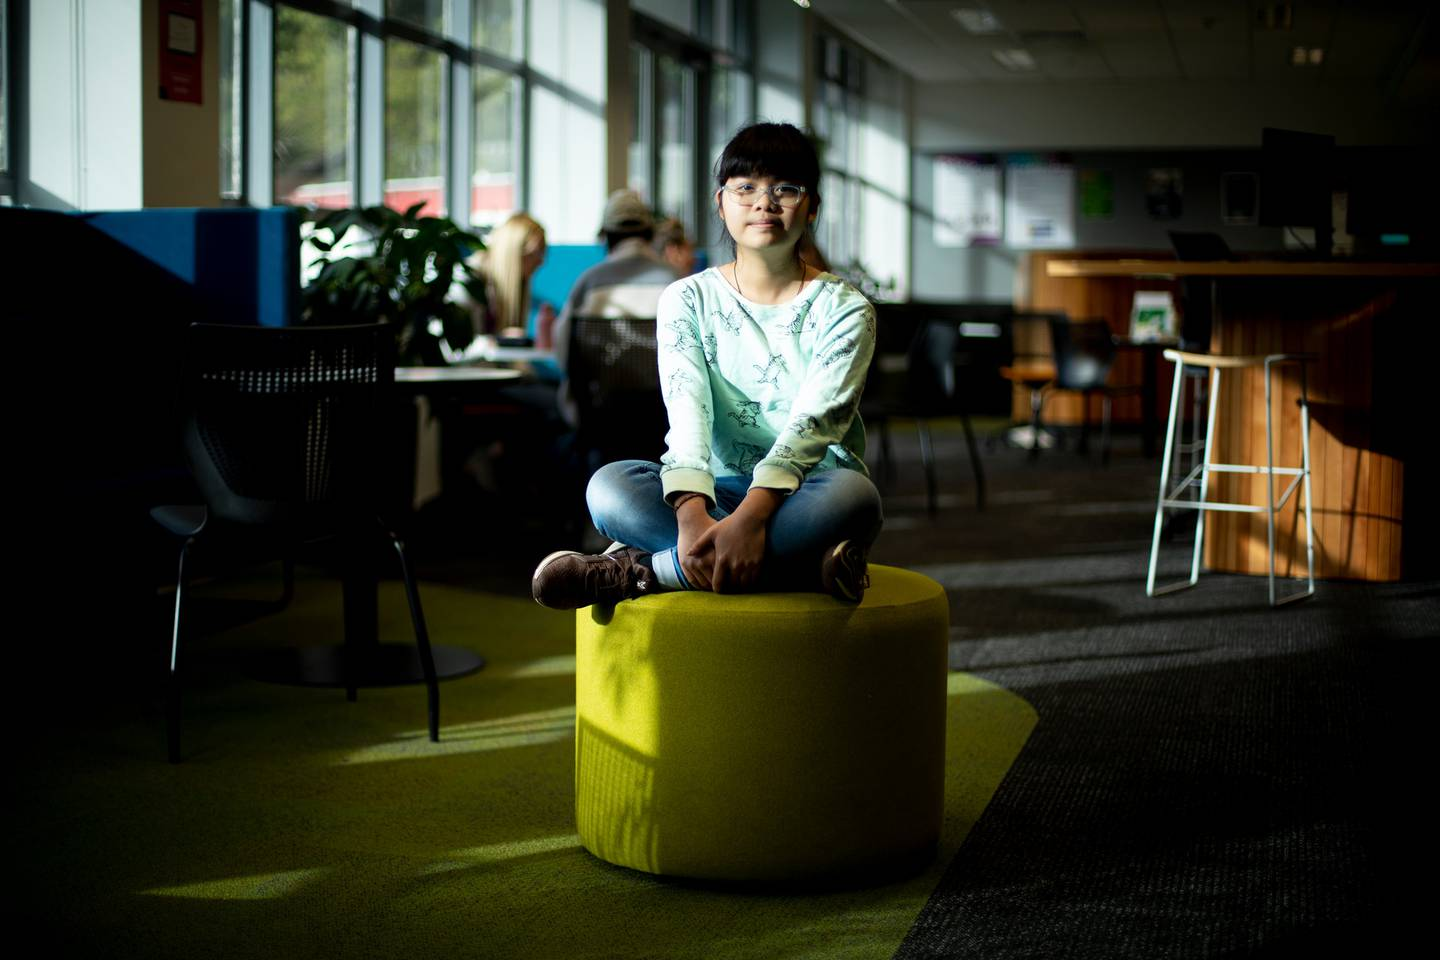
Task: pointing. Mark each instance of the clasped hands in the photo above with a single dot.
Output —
(725, 555)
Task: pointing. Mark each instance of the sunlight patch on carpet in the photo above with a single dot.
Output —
(502, 733)
(498, 852)
(264, 886)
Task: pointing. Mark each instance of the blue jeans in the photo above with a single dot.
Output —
(627, 503)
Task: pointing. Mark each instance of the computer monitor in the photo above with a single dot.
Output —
(1297, 177)
(1197, 245)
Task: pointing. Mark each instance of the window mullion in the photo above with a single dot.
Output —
(260, 108)
(370, 111)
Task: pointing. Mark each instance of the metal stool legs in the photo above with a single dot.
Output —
(1169, 497)
(1302, 476)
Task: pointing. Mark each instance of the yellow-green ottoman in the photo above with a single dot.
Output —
(766, 736)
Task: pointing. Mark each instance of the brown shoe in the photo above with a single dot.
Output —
(843, 571)
(568, 580)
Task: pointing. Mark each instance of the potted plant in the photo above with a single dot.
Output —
(401, 269)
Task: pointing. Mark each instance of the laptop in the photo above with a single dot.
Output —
(1199, 246)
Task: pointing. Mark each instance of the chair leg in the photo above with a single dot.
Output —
(1269, 484)
(887, 454)
(1037, 400)
(1150, 589)
(288, 573)
(422, 639)
(1084, 423)
(172, 682)
(1305, 465)
(1270, 504)
(1104, 429)
(1214, 396)
(974, 461)
(927, 458)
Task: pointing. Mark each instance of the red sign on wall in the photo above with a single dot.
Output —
(180, 46)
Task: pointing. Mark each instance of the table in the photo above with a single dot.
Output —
(419, 379)
(363, 660)
(1369, 324)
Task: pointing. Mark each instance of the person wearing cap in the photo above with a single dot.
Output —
(627, 283)
(673, 246)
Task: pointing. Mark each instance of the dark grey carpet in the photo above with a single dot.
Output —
(1209, 777)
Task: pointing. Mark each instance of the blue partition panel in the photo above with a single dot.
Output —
(563, 264)
(243, 264)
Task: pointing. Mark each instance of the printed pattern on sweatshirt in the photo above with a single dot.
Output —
(769, 391)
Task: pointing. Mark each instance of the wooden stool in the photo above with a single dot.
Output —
(763, 736)
(1170, 498)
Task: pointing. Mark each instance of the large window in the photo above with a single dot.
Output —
(314, 94)
(496, 26)
(232, 85)
(493, 188)
(676, 129)
(692, 89)
(859, 111)
(414, 127)
(497, 30)
(333, 103)
(426, 14)
(7, 188)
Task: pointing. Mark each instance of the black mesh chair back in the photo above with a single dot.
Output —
(1084, 352)
(930, 380)
(281, 424)
(615, 384)
(283, 427)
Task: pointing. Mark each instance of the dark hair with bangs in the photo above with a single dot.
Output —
(776, 150)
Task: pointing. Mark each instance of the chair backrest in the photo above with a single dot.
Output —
(930, 366)
(935, 358)
(615, 383)
(282, 425)
(1084, 351)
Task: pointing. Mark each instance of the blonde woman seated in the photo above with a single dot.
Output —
(514, 250)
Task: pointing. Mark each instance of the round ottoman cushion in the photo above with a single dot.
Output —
(763, 736)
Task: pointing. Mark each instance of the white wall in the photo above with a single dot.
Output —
(84, 106)
(182, 140)
(996, 116)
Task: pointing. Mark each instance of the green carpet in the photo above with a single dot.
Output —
(303, 824)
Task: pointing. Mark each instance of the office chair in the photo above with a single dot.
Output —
(280, 428)
(615, 385)
(913, 375)
(1083, 352)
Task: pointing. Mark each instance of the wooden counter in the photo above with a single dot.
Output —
(1365, 322)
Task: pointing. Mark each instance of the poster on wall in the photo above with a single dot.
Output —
(1164, 193)
(1039, 205)
(1097, 195)
(180, 50)
(967, 201)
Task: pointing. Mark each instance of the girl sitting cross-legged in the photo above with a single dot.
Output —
(762, 363)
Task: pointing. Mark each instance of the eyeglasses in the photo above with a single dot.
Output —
(785, 194)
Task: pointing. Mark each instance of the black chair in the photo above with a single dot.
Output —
(913, 375)
(281, 430)
(614, 380)
(1082, 355)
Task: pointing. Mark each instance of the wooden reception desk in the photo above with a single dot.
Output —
(1372, 327)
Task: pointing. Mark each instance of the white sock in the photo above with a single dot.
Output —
(666, 565)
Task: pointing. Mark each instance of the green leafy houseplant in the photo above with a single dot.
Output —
(400, 270)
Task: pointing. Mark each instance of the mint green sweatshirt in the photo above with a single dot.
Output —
(760, 390)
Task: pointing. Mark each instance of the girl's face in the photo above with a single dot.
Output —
(763, 220)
